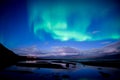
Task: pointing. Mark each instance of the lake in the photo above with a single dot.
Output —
(58, 70)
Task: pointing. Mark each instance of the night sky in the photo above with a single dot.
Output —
(84, 24)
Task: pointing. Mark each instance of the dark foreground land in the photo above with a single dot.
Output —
(108, 63)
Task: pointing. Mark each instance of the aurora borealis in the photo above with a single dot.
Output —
(83, 24)
(75, 20)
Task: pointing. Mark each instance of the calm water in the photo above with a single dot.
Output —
(76, 71)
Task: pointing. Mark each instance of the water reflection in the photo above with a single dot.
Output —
(51, 70)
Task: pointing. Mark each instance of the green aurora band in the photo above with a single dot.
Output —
(73, 21)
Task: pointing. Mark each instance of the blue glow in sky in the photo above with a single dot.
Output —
(47, 23)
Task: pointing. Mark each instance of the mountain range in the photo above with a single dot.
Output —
(71, 52)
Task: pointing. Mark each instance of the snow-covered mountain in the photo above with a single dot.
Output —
(70, 52)
(28, 51)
